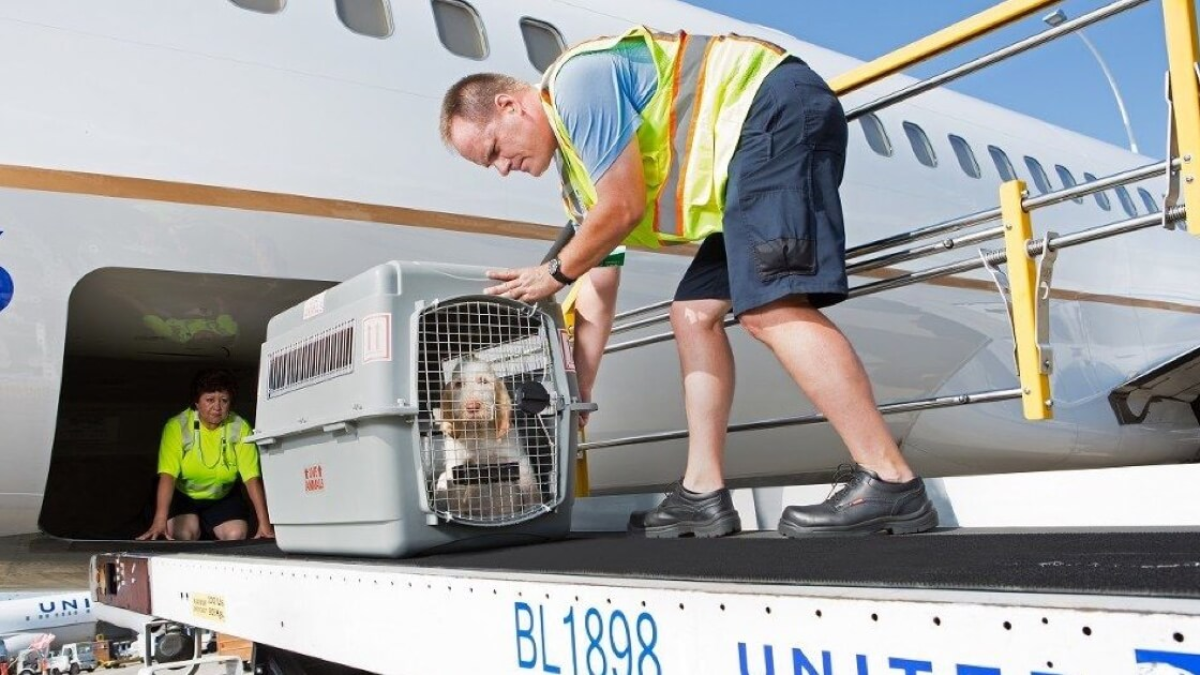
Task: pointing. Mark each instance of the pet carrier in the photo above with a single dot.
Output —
(403, 411)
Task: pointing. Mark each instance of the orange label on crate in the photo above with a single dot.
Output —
(314, 478)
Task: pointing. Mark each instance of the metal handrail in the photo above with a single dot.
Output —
(960, 223)
(641, 323)
(662, 304)
(1050, 198)
(994, 57)
(1030, 204)
(886, 409)
(990, 19)
(1034, 247)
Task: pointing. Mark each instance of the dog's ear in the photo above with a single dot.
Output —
(503, 409)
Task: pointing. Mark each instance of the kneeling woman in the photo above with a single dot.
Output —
(199, 460)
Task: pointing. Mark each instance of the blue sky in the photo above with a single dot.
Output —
(1059, 82)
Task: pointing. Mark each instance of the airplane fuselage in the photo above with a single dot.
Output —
(164, 167)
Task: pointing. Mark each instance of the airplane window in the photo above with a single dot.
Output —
(264, 6)
(1040, 179)
(1068, 179)
(1148, 200)
(1003, 166)
(543, 42)
(876, 135)
(1101, 198)
(966, 156)
(920, 144)
(460, 28)
(366, 17)
(1126, 201)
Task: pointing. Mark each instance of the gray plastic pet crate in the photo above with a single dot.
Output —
(365, 448)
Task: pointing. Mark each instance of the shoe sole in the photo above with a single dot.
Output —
(720, 527)
(922, 521)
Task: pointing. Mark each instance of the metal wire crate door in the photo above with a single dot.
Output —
(489, 440)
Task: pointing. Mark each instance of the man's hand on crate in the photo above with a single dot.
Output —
(527, 284)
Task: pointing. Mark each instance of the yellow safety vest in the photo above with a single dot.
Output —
(689, 129)
(211, 471)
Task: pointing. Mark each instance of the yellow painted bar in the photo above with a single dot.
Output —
(1179, 17)
(1022, 281)
(944, 40)
(582, 483)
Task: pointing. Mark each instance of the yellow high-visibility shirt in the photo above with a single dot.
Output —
(210, 468)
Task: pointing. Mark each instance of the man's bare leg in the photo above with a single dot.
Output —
(706, 362)
(700, 507)
(823, 363)
(881, 494)
(594, 309)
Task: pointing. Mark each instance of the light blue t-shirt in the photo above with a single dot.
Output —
(600, 97)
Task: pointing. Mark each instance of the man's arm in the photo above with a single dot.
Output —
(620, 203)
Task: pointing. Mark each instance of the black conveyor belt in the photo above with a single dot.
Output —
(1164, 563)
(1158, 563)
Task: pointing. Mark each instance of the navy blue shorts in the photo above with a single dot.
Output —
(783, 231)
(212, 512)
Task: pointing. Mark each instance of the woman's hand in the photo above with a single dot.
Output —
(265, 531)
(157, 529)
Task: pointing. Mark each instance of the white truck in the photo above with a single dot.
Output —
(79, 656)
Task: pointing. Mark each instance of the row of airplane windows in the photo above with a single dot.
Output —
(878, 140)
(461, 32)
(458, 24)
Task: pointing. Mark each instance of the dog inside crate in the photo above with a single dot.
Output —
(487, 461)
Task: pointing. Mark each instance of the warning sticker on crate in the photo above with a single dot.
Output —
(314, 478)
(568, 352)
(314, 305)
(377, 337)
(209, 607)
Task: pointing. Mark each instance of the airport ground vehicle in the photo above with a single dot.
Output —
(79, 656)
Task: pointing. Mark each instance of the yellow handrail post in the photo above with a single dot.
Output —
(1032, 368)
(582, 484)
(944, 40)
(1179, 17)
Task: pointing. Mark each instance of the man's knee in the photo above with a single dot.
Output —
(231, 530)
(698, 316)
(760, 321)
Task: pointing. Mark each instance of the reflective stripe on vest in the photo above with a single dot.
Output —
(689, 130)
(689, 74)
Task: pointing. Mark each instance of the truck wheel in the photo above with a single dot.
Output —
(74, 669)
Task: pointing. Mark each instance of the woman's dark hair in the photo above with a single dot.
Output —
(213, 379)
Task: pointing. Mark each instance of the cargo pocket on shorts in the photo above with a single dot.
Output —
(782, 234)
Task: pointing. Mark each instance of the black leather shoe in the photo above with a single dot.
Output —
(866, 504)
(683, 513)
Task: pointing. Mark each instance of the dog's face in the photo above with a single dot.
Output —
(475, 398)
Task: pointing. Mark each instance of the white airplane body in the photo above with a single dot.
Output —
(165, 162)
(24, 617)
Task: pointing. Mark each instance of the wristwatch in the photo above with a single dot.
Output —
(555, 266)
